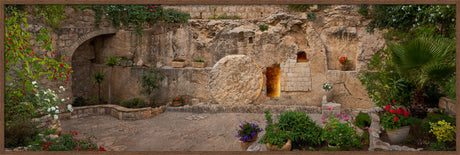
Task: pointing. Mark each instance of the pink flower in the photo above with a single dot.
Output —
(151, 10)
(346, 119)
(338, 115)
(340, 134)
(324, 122)
(329, 108)
(366, 128)
(323, 118)
(345, 116)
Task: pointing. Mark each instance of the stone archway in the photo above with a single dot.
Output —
(83, 56)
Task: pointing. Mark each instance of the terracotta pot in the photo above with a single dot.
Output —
(198, 64)
(398, 135)
(176, 103)
(249, 142)
(178, 64)
(286, 147)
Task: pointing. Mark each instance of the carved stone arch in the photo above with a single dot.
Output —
(69, 52)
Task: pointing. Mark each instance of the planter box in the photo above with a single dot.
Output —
(198, 64)
(177, 64)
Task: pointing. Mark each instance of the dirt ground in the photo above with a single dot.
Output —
(169, 131)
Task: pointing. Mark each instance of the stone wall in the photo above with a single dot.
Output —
(295, 76)
(243, 11)
(449, 105)
(289, 33)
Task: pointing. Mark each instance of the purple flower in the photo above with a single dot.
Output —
(329, 128)
(324, 122)
(289, 131)
(366, 128)
(346, 119)
(323, 118)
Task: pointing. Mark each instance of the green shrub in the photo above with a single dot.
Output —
(311, 16)
(175, 16)
(450, 87)
(363, 120)
(340, 134)
(443, 131)
(19, 133)
(436, 117)
(263, 27)
(134, 103)
(304, 129)
(274, 135)
(79, 101)
(67, 142)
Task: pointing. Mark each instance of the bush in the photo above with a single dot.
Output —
(263, 27)
(311, 16)
(304, 129)
(67, 142)
(19, 133)
(449, 88)
(175, 16)
(340, 134)
(274, 135)
(436, 117)
(363, 120)
(79, 101)
(444, 131)
(134, 103)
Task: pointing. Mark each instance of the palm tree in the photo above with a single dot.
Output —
(111, 61)
(98, 78)
(423, 61)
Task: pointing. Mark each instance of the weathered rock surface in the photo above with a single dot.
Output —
(235, 79)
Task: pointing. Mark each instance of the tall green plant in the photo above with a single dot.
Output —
(51, 14)
(111, 61)
(98, 77)
(423, 61)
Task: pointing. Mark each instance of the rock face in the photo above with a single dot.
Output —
(235, 79)
(336, 32)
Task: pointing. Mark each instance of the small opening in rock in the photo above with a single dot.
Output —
(240, 37)
(273, 81)
(302, 57)
(250, 40)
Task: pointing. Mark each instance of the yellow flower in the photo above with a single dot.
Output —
(386, 86)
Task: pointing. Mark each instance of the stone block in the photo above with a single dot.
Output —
(448, 104)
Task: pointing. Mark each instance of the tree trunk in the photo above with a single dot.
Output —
(110, 83)
(418, 108)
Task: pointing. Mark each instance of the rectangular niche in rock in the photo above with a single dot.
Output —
(273, 81)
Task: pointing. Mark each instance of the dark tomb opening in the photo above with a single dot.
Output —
(273, 81)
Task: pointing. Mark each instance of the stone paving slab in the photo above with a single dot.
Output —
(169, 131)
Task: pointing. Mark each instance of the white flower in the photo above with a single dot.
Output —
(34, 82)
(410, 5)
(413, 25)
(71, 110)
(49, 110)
(62, 100)
(57, 107)
(448, 6)
(394, 19)
(61, 87)
(53, 108)
(56, 117)
(418, 23)
(453, 19)
(442, 16)
(419, 9)
(415, 19)
(36, 94)
(69, 106)
(47, 100)
(57, 111)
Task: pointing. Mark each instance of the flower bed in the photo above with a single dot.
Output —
(116, 111)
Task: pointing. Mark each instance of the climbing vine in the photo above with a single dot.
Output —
(51, 14)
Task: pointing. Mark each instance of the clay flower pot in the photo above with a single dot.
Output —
(178, 64)
(198, 64)
(249, 142)
(398, 135)
(286, 147)
(176, 103)
(346, 67)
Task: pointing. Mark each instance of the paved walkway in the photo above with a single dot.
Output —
(169, 131)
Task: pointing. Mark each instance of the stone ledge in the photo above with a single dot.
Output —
(116, 111)
(217, 108)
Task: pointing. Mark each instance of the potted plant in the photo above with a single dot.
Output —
(396, 123)
(198, 63)
(346, 64)
(275, 138)
(327, 87)
(178, 101)
(247, 134)
(178, 63)
(338, 134)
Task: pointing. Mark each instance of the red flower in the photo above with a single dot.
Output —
(62, 65)
(406, 114)
(399, 111)
(90, 149)
(387, 107)
(392, 111)
(33, 90)
(64, 59)
(26, 40)
(59, 133)
(396, 119)
(54, 52)
(183, 97)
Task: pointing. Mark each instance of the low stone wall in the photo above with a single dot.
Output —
(375, 144)
(448, 104)
(217, 108)
(116, 111)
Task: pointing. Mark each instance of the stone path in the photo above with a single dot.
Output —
(169, 131)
